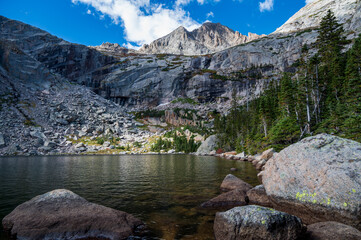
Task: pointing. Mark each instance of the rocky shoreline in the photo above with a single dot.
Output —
(295, 201)
(296, 193)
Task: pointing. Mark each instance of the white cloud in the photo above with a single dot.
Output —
(89, 12)
(267, 5)
(210, 14)
(143, 21)
(182, 2)
(309, 1)
(186, 2)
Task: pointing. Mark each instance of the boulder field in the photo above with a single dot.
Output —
(62, 214)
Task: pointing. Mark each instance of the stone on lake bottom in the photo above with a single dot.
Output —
(62, 214)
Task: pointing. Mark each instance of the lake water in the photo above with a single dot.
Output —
(164, 191)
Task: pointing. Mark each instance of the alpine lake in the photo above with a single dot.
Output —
(164, 191)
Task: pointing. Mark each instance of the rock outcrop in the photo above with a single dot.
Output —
(41, 110)
(231, 182)
(332, 230)
(254, 222)
(347, 12)
(227, 200)
(258, 196)
(209, 38)
(208, 145)
(61, 214)
(113, 49)
(317, 179)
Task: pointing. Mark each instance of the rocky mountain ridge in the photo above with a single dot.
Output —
(347, 12)
(208, 38)
(55, 89)
(113, 49)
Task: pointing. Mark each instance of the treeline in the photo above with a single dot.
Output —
(323, 96)
(179, 143)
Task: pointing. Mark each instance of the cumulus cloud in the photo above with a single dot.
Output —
(143, 21)
(267, 5)
(186, 2)
(309, 1)
(210, 14)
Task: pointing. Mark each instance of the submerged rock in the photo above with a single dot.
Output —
(227, 200)
(62, 214)
(254, 222)
(332, 230)
(317, 179)
(232, 182)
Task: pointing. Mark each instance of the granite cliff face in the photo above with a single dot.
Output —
(40, 108)
(347, 12)
(113, 49)
(209, 38)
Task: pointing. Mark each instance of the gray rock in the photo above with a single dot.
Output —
(231, 182)
(50, 144)
(61, 214)
(267, 154)
(332, 230)
(317, 179)
(208, 145)
(38, 134)
(254, 222)
(79, 145)
(81, 134)
(208, 38)
(258, 196)
(227, 200)
(106, 144)
(2, 140)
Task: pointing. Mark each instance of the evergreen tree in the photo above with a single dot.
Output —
(352, 123)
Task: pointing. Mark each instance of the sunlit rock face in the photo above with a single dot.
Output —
(317, 179)
(209, 38)
(347, 12)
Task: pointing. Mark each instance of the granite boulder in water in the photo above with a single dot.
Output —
(255, 222)
(317, 179)
(62, 214)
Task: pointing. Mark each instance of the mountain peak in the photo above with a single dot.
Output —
(208, 38)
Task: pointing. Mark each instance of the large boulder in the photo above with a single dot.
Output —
(255, 222)
(317, 179)
(2, 140)
(227, 200)
(258, 196)
(208, 145)
(62, 214)
(332, 230)
(232, 182)
(267, 154)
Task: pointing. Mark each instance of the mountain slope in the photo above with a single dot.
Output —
(347, 12)
(209, 38)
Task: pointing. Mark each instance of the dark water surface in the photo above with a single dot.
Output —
(164, 191)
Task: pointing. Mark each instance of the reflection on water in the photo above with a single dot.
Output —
(162, 190)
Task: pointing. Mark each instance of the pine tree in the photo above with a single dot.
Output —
(330, 43)
(352, 123)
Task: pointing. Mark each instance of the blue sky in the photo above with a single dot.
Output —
(135, 22)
